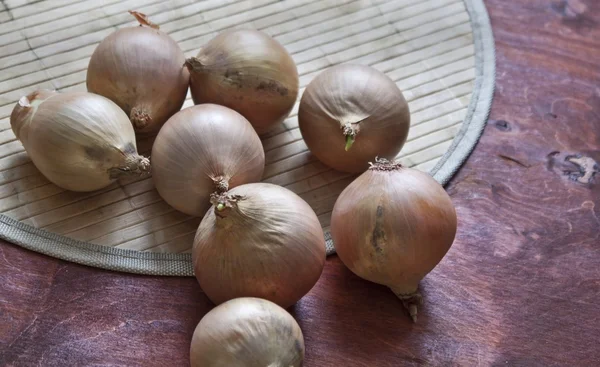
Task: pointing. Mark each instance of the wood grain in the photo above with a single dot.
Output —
(520, 287)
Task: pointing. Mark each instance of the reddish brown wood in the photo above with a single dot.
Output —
(520, 287)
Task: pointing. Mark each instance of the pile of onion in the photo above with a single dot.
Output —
(247, 332)
(351, 113)
(79, 141)
(142, 70)
(258, 240)
(248, 71)
(392, 226)
(202, 150)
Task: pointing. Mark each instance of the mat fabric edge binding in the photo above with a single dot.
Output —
(150, 263)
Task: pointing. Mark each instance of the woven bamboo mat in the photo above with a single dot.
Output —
(427, 47)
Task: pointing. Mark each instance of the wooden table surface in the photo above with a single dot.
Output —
(520, 286)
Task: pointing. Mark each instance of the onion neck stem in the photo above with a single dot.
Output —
(143, 19)
(350, 134)
(26, 108)
(349, 141)
(194, 64)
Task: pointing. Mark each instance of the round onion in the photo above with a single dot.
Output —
(259, 240)
(392, 226)
(79, 141)
(247, 332)
(248, 71)
(204, 149)
(141, 70)
(351, 113)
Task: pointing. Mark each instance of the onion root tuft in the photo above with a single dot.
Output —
(139, 118)
(382, 164)
(134, 165)
(221, 184)
(224, 202)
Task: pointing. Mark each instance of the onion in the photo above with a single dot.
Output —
(392, 226)
(201, 150)
(79, 141)
(258, 240)
(352, 113)
(140, 69)
(248, 71)
(247, 332)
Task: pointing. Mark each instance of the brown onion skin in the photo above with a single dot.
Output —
(201, 150)
(392, 227)
(142, 70)
(269, 245)
(247, 332)
(365, 101)
(248, 71)
(79, 141)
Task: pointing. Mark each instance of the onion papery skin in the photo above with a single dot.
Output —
(142, 70)
(392, 225)
(350, 114)
(79, 141)
(248, 71)
(247, 332)
(259, 240)
(201, 150)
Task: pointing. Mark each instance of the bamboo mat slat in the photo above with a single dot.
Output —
(426, 47)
